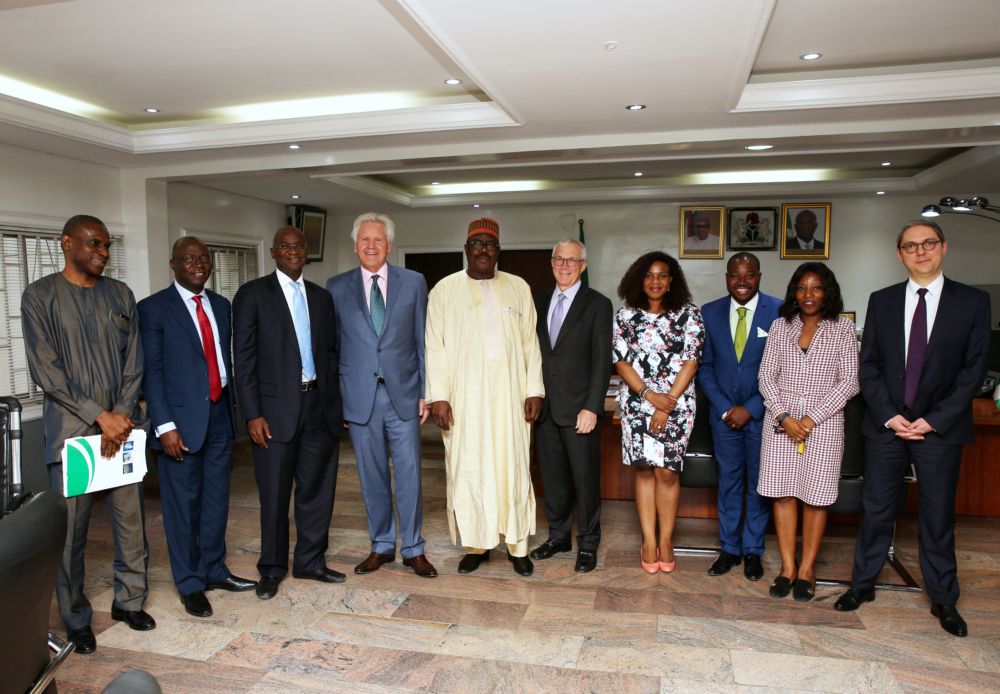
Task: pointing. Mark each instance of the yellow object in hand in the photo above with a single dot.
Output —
(801, 448)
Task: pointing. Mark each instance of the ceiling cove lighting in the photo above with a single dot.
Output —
(635, 107)
(50, 99)
(758, 148)
(452, 81)
(484, 187)
(777, 176)
(320, 106)
(966, 207)
(811, 55)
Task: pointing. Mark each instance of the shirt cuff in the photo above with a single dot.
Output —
(164, 428)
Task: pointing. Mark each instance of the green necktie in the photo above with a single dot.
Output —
(740, 341)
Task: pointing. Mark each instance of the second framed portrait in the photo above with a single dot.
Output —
(752, 228)
(805, 230)
(702, 231)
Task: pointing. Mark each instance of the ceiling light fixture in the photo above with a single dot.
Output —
(295, 196)
(887, 163)
(635, 107)
(151, 109)
(879, 192)
(954, 205)
(294, 146)
(611, 45)
(435, 183)
(758, 148)
(637, 173)
(931, 211)
(452, 81)
(812, 55)
(475, 204)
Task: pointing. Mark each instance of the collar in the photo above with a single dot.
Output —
(187, 294)
(934, 288)
(752, 304)
(284, 280)
(382, 272)
(570, 293)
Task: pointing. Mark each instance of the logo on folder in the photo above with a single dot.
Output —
(80, 462)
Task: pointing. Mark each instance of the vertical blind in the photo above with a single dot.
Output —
(234, 266)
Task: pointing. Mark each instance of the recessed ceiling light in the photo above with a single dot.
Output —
(452, 81)
(611, 45)
(295, 196)
(637, 173)
(435, 183)
(151, 109)
(294, 146)
(887, 163)
(758, 148)
(879, 192)
(812, 55)
(475, 204)
(635, 107)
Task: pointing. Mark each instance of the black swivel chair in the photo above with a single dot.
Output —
(701, 471)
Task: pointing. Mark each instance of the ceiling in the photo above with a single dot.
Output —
(539, 115)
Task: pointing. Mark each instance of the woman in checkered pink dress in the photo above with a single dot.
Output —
(807, 374)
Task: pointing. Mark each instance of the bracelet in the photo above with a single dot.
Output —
(670, 397)
(642, 393)
(781, 417)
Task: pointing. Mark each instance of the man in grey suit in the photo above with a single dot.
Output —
(380, 320)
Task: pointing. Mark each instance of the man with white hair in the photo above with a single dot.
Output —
(380, 321)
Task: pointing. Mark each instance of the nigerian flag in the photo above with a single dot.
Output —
(583, 277)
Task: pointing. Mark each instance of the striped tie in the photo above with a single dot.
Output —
(377, 307)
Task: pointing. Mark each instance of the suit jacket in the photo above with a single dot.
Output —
(954, 364)
(575, 371)
(176, 380)
(793, 243)
(725, 381)
(399, 352)
(267, 361)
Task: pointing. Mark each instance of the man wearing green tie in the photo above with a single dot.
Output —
(736, 328)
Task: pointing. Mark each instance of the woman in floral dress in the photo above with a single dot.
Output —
(658, 339)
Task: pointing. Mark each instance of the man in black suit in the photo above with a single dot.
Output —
(923, 355)
(574, 333)
(186, 338)
(285, 354)
(805, 234)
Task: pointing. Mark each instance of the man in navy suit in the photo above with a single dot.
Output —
(574, 333)
(285, 354)
(380, 321)
(186, 338)
(736, 329)
(923, 356)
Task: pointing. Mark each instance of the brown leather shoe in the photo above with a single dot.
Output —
(374, 562)
(420, 566)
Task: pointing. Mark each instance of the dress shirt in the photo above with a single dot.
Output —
(932, 298)
(383, 285)
(734, 316)
(570, 295)
(286, 283)
(189, 303)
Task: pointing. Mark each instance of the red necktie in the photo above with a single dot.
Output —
(208, 344)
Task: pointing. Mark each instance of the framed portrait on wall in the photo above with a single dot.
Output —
(311, 221)
(805, 230)
(701, 231)
(752, 228)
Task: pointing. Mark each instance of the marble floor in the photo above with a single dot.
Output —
(614, 630)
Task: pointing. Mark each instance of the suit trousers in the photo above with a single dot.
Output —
(571, 466)
(402, 437)
(738, 456)
(125, 505)
(195, 496)
(937, 465)
(309, 460)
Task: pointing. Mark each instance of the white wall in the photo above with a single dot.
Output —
(862, 242)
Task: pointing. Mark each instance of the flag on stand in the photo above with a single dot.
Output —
(583, 277)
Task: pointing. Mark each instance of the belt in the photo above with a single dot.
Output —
(379, 379)
(306, 386)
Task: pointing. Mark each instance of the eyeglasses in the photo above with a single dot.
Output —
(927, 244)
(476, 244)
(572, 262)
(192, 259)
(297, 246)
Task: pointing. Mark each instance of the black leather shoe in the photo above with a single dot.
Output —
(83, 639)
(234, 584)
(548, 548)
(324, 575)
(781, 587)
(803, 590)
(951, 620)
(522, 565)
(136, 619)
(373, 562)
(853, 599)
(196, 604)
(586, 561)
(267, 588)
(471, 562)
(753, 570)
(723, 564)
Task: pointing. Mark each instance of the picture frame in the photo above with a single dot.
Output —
(702, 229)
(752, 228)
(311, 221)
(805, 223)
(852, 315)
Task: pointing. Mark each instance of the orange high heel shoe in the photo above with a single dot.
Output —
(650, 567)
(664, 566)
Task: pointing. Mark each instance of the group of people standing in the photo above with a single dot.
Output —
(376, 354)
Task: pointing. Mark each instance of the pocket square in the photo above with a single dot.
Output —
(761, 332)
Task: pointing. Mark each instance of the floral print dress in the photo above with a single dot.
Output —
(656, 346)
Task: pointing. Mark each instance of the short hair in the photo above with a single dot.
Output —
(630, 288)
(920, 223)
(575, 242)
(833, 302)
(383, 219)
(743, 257)
(184, 239)
(81, 220)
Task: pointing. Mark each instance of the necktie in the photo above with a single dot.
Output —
(917, 348)
(557, 318)
(300, 317)
(208, 344)
(377, 307)
(740, 339)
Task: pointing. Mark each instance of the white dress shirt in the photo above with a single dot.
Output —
(383, 284)
(286, 283)
(570, 295)
(932, 298)
(734, 316)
